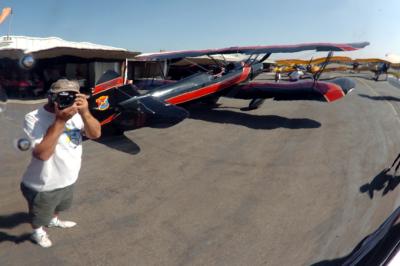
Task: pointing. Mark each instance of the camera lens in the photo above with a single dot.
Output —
(65, 99)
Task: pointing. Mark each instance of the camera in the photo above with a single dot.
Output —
(65, 99)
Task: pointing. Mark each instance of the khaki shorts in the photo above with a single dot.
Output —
(43, 205)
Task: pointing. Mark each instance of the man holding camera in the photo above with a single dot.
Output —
(55, 132)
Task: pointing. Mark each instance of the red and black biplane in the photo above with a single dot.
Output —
(123, 107)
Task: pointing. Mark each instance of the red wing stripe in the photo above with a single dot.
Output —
(192, 95)
(108, 85)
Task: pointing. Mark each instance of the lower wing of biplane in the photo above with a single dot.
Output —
(302, 90)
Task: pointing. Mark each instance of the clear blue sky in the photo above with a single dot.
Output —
(151, 25)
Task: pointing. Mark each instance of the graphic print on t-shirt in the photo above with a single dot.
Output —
(74, 136)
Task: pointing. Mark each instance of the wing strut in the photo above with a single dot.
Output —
(265, 57)
(161, 69)
(248, 59)
(215, 61)
(318, 74)
(194, 63)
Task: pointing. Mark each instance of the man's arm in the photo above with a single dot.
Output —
(92, 126)
(45, 149)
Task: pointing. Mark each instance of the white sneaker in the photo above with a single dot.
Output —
(55, 222)
(42, 239)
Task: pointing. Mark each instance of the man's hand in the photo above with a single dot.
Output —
(65, 114)
(82, 103)
(92, 126)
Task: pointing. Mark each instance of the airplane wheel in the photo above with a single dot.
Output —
(255, 103)
(211, 101)
(117, 131)
(108, 131)
(111, 131)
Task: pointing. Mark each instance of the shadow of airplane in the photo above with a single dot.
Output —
(251, 121)
(382, 181)
(121, 143)
(380, 98)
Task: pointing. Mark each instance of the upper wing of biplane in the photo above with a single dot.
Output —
(250, 50)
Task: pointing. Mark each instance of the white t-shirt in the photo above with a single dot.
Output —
(62, 168)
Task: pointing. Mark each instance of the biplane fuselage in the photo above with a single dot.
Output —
(123, 107)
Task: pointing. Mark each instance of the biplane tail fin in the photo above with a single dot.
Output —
(120, 106)
(105, 96)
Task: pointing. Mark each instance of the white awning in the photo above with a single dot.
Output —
(16, 46)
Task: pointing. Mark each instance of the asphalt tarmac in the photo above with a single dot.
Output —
(291, 183)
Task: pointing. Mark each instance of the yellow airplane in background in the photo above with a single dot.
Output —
(311, 66)
(338, 63)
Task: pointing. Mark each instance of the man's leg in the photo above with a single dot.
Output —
(56, 222)
(65, 197)
(39, 213)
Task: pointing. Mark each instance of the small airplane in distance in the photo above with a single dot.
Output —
(123, 107)
(308, 68)
(375, 65)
